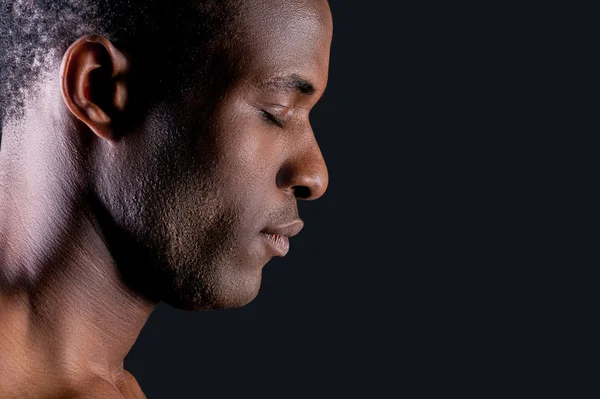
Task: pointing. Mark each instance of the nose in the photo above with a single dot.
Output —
(305, 172)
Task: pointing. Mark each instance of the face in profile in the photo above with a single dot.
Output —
(190, 195)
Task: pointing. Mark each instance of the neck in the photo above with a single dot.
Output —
(65, 314)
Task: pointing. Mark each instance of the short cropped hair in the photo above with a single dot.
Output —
(179, 35)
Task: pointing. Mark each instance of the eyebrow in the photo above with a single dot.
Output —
(292, 82)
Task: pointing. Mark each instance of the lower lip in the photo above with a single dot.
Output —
(278, 243)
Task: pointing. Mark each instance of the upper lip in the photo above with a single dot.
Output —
(288, 230)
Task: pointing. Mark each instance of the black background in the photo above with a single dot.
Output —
(414, 273)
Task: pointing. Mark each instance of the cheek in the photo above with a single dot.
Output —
(250, 157)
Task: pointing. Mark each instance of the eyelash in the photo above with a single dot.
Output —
(273, 119)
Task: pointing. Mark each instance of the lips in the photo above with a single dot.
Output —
(277, 238)
(279, 245)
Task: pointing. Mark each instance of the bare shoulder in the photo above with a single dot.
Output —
(130, 387)
(126, 388)
(96, 390)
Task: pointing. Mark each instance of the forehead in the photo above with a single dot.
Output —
(278, 37)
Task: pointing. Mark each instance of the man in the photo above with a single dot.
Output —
(151, 151)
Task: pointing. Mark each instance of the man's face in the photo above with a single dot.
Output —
(193, 193)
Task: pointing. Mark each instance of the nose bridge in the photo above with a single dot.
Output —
(305, 171)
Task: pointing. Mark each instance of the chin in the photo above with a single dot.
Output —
(237, 291)
(225, 292)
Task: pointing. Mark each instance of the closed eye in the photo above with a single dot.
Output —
(272, 118)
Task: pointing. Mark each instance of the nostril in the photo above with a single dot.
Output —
(301, 192)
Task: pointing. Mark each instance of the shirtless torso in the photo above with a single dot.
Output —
(94, 388)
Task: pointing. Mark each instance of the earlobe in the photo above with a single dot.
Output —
(93, 83)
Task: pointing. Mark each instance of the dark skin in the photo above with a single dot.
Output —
(193, 200)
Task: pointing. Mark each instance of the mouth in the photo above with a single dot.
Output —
(278, 244)
(278, 238)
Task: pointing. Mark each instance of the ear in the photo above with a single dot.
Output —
(93, 85)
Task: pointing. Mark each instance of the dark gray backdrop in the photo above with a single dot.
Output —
(411, 275)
